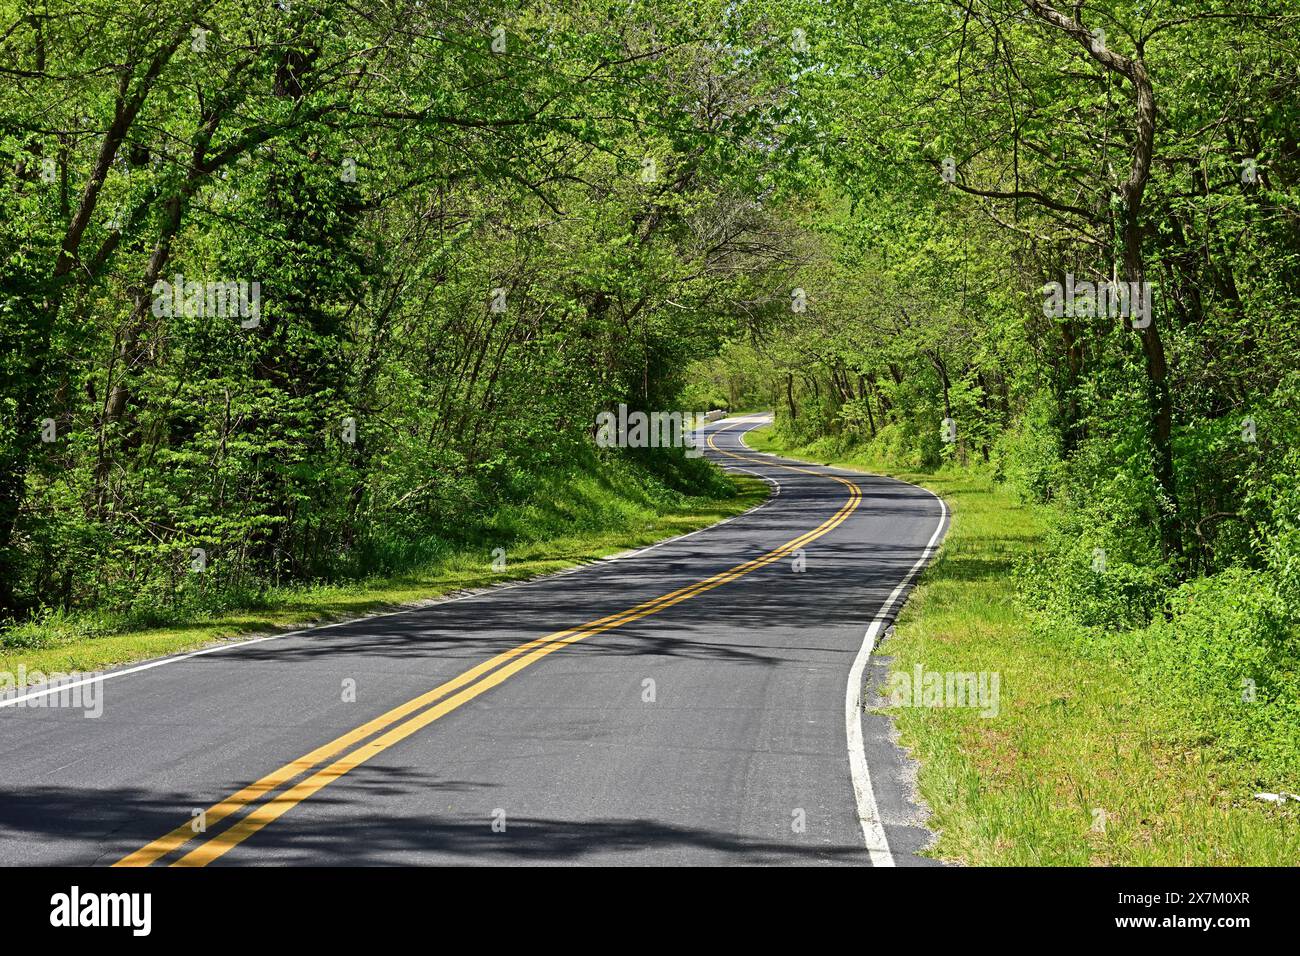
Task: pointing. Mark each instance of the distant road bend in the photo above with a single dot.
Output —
(695, 702)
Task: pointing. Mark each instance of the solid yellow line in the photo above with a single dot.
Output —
(274, 808)
(254, 791)
(277, 806)
(540, 647)
(178, 837)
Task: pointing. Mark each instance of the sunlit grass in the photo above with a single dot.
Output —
(1077, 768)
(586, 520)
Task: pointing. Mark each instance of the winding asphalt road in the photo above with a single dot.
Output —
(696, 702)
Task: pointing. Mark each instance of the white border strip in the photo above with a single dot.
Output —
(873, 830)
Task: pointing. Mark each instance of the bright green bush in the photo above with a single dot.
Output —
(1228, 658)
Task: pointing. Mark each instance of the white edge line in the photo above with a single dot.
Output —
(61, 686)
(873, 830)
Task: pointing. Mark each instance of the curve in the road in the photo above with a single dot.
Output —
(740, 760)
(419, 712)
(873, 830)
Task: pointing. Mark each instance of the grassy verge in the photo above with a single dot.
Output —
(574, 519)
(1079, 766)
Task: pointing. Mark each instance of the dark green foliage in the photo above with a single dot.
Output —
(381, 171)
(1166, 153)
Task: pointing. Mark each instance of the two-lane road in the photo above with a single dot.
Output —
(692, 703)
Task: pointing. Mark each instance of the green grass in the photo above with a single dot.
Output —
(572, 519)
(1073, 735)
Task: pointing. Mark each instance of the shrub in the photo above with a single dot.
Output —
(1228, 658)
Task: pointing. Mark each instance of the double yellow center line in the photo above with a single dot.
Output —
(399, 723)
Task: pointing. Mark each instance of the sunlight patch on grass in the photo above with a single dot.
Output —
(1076, 769)
(625, 523)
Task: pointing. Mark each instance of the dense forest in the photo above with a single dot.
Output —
(992, 182)
(293, 289)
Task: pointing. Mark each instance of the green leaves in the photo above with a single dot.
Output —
(379, 174)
